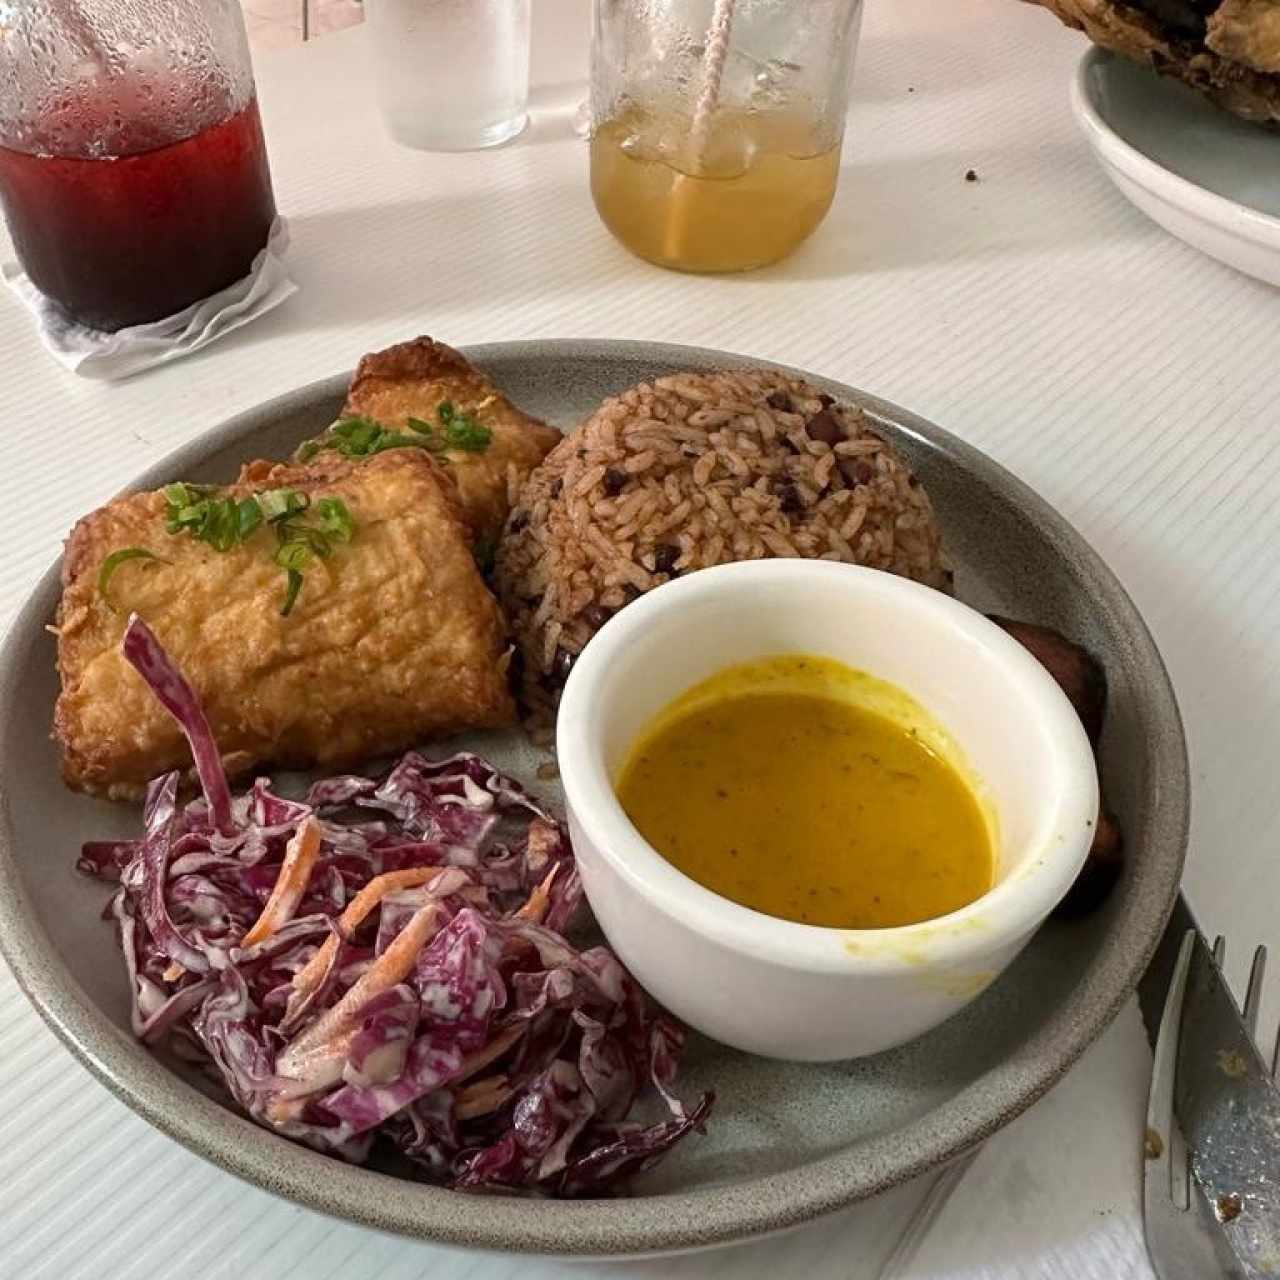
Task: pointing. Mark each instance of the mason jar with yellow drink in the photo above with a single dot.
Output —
(717, 125)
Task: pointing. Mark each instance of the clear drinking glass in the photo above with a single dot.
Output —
(717, 124)
(452, 75)
(133, 171)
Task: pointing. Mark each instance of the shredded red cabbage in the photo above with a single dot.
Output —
(409, 984)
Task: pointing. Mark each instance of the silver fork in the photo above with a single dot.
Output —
(1181, 1228)
(1184, 1238)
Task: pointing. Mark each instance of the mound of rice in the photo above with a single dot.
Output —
(692, 471)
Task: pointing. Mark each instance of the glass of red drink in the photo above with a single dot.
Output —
(133, 172)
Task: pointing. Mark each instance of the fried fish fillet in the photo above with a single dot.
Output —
(413, 379)
(394, 637)
(1228, 50)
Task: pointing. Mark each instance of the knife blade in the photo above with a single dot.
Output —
(1226, 1104)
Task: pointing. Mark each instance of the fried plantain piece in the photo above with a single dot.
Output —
(1100, 872)
(1084, 682)
(1080, 677)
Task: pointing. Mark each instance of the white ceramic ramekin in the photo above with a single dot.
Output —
(791, 990)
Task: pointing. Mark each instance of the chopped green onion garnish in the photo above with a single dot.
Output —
(221, 525)
(363, 437)
(463, 432)
(315, 541)
(294, 556)
(186, 495)
(249, 514)
(114, 561)
(291, 593)
(280, 504)
(224, 523)
(360, 437)
(335, 520)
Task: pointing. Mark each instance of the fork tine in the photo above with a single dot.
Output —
(1219, 950)
(1275, 1057)
(1160, 1166)
(1253, 992)
(1179, 1167)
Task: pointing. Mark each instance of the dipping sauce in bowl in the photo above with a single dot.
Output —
(799, 787)
(972, 695)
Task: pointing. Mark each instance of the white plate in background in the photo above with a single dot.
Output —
(1205, 176)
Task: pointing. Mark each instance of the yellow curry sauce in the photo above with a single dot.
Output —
(809, 791)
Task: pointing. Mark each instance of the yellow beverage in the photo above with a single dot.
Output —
(762, 184)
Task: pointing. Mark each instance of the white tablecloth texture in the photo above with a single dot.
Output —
(1131, 381)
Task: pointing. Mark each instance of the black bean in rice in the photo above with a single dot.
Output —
(691, 471)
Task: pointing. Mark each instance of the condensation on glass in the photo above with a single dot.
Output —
(451, 75)
(133, 171)
(745, 184)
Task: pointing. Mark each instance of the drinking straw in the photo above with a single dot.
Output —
(713, 60)
(715, 53)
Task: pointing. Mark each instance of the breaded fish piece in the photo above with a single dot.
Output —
(393, 639)
(413, 379)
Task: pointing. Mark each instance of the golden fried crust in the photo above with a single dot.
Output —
(395, 637)
(1247, 31)
(413, 379)
(1235, 85)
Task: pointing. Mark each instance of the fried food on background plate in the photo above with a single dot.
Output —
(393, 636)
(1228, 50)
(1247, 31)
(423, 383)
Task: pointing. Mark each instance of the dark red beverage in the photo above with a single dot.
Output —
(133, 238)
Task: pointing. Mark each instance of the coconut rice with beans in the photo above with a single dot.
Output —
(692, 471)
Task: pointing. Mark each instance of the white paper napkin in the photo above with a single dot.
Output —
(94, 354)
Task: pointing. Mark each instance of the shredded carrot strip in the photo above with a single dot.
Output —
(388, 969)
(481, 1106)
(490, 1053)
(539, 900)
(290, 885)
(544, 838)
(282, 1110)
(306, 979)
(489, 1084)
(482, 1097)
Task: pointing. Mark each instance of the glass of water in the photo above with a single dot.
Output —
(453, 75)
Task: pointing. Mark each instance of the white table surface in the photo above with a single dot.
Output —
(1131, 381)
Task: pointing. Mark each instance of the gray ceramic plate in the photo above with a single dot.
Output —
(788, 1141)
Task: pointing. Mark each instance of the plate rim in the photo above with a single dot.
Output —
(669, 1222)
(1224, 213)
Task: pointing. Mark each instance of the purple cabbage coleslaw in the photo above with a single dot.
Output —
(383, 963)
